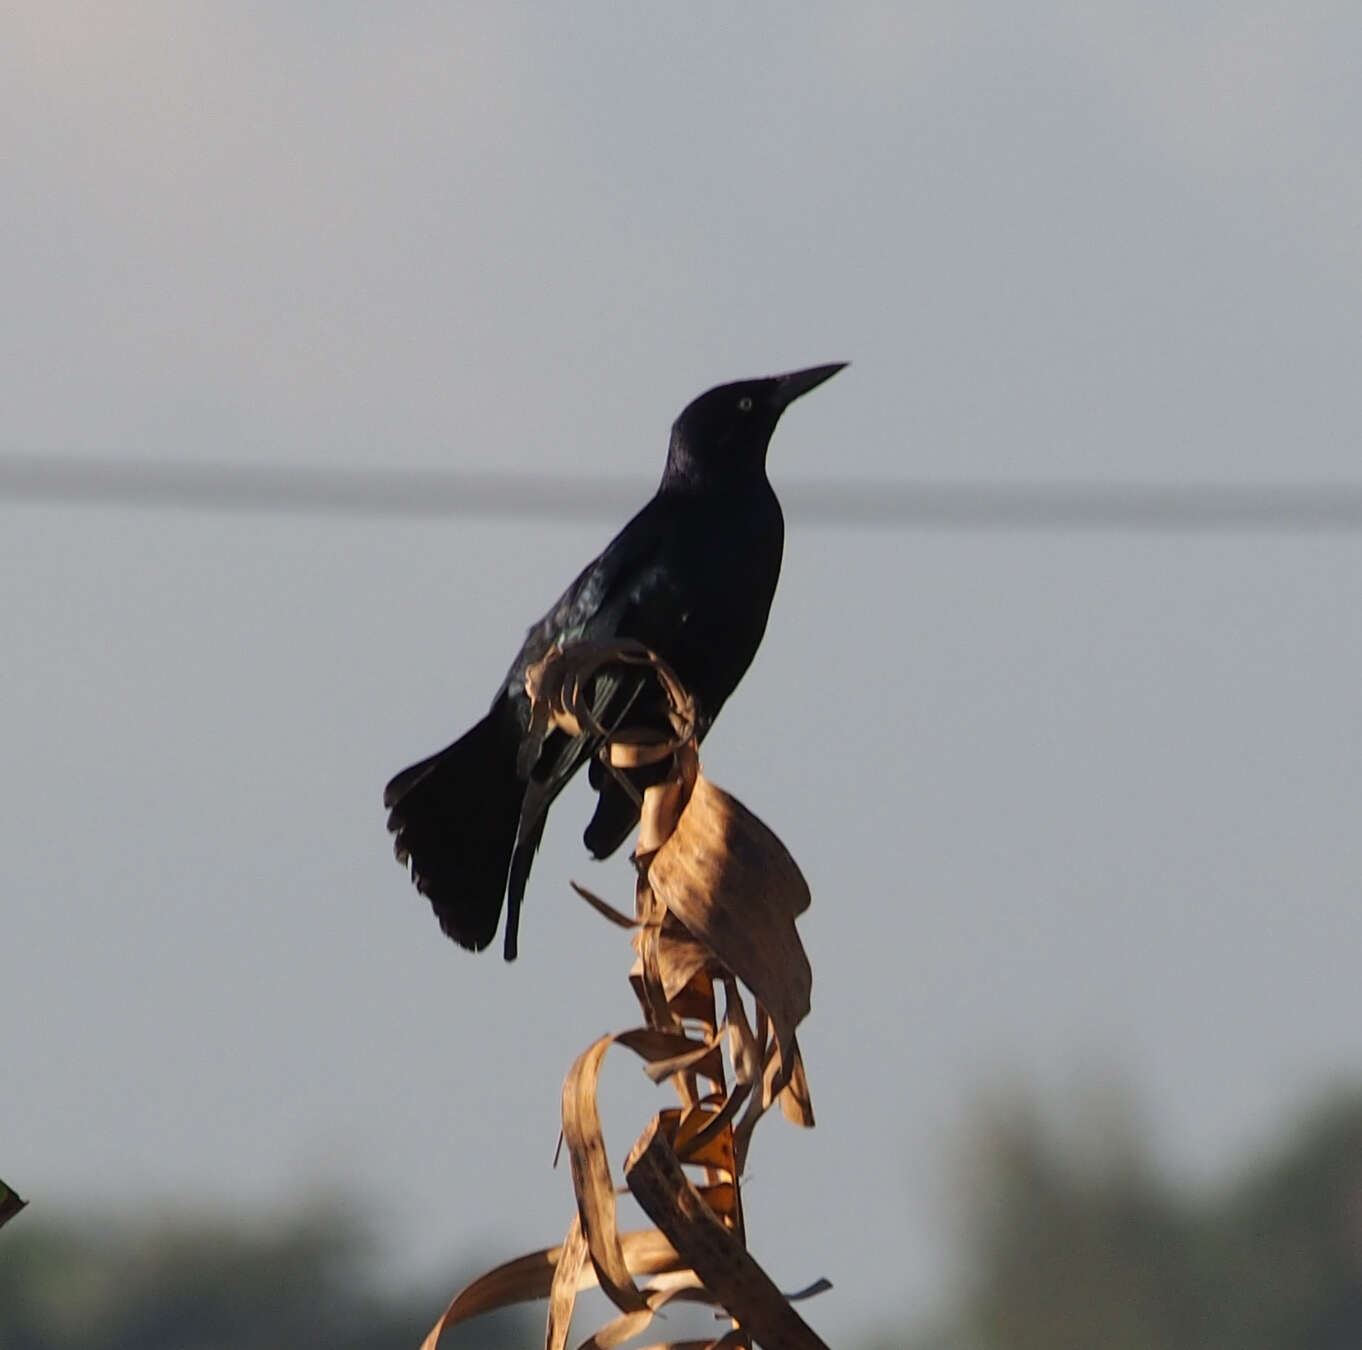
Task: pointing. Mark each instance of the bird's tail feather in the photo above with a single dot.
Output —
(616, 812)
(454, 817)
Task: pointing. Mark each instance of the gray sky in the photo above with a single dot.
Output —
(1064, 801)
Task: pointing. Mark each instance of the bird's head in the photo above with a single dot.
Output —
(727, 429)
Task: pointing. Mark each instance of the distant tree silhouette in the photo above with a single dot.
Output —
(200, 1285)
(1070, 1240)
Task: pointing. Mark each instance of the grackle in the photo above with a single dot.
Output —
(691, 576)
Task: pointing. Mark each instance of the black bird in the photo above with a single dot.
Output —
(691, 576)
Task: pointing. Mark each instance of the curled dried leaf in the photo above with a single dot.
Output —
(604, 908)
(530, 1277)
(736, 889)
(591, 1178)
(572, 1259)
(561, 688)
(716, 901)
(717, 1255)
(796, 1103)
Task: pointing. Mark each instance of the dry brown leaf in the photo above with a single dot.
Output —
(623, 1328)
(695, 1002)
(697, 1130)
(686, 1288)
(519, 1281)
(671, 1052)
(544, 685)
(796, 1104)
(680, 956)
(604, 908)
(743, 1048)
(651, 986)
(734, 886)
(563, 1292)
(560, 685)
(722, 1198)
(664, 803)
(714, 1152)
(716, 903)
(530, 1277)
(666, 1195)
(676, 960)
(757, 1105)
(591, 1178)
(587, 1158)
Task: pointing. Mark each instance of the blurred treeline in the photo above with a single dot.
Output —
(1069, 1238)
(1066, 1238)
(196, 1284)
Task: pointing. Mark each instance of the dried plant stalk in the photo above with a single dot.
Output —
(715, 905)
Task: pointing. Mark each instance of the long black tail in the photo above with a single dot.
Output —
(455, 817)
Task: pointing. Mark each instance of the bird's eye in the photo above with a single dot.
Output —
(744, 404)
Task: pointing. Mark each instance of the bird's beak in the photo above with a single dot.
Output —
(790, 387)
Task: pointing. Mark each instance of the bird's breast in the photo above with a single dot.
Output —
(710, 615)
